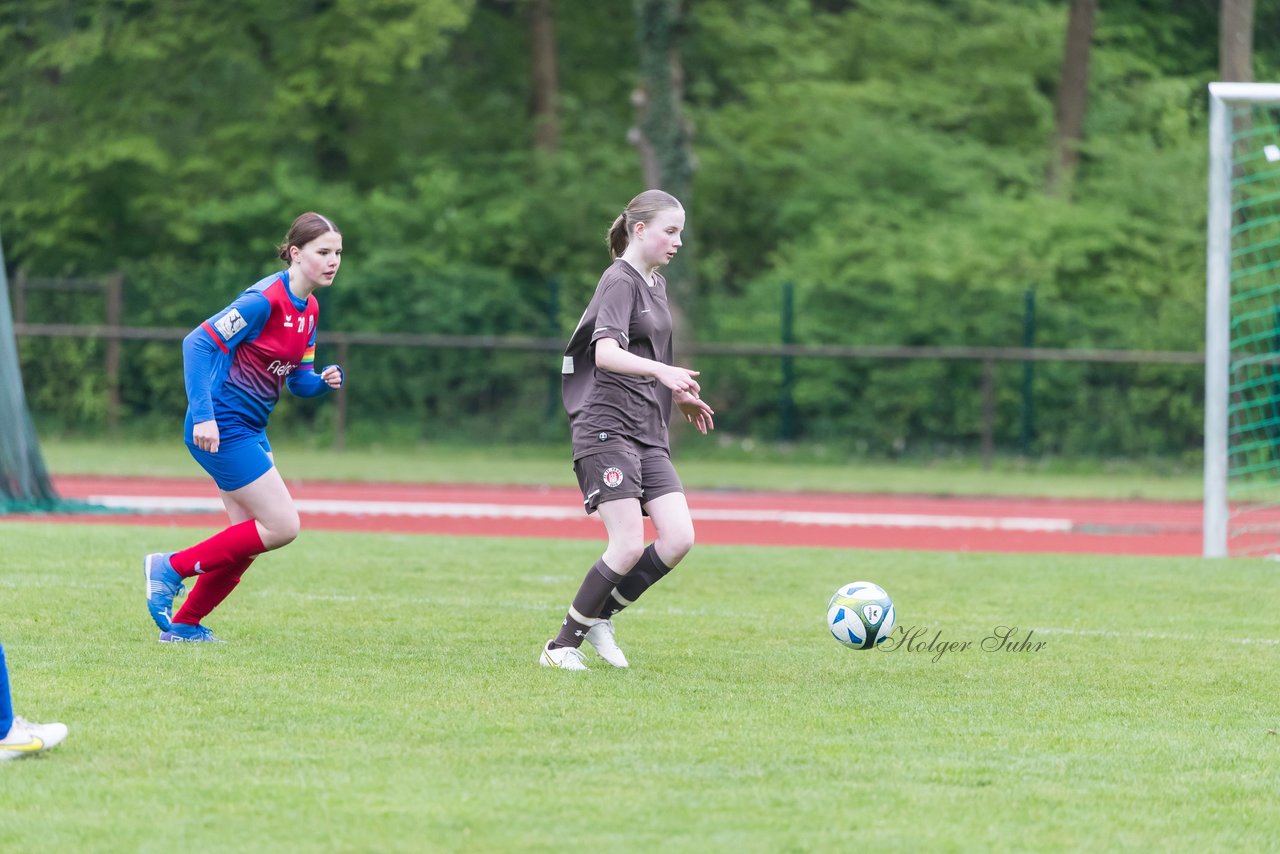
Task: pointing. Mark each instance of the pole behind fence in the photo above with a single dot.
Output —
(1028, 374)
(340, 414)
(115, 311)
(553, 330)
(988, 411)
(20, 297)
(786, 400)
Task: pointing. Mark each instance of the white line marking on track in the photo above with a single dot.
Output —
(154, 503)
(349, 508)
(888, 520)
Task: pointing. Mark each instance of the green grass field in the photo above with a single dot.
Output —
(381, 694)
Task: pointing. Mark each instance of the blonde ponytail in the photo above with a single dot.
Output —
(618, 237)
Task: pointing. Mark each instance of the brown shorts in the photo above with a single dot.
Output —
(635, 472)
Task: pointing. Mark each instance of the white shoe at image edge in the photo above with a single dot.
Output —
(28, 739)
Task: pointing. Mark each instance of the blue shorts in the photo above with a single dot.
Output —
(238, 465)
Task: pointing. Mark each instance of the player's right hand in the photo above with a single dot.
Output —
(205, 435)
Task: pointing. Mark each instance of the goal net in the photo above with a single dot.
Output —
(1242, 333)
(24, 481)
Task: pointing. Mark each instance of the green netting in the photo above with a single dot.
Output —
(25, 486)
(24, 481)
(1253, 438)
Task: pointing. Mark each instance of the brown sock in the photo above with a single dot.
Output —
(647, 572)
(594, 590)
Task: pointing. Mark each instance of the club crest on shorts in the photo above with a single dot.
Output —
(612, 477)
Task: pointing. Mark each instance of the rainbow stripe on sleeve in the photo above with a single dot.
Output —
(308, 359)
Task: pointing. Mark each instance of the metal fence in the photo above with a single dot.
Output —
(784, 355)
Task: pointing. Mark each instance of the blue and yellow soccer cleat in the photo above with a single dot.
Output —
(163, 586)
(184, 633)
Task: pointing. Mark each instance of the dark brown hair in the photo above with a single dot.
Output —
(642, 208)
(305, 229)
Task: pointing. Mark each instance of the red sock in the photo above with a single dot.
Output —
(209, 591)
(228, 546)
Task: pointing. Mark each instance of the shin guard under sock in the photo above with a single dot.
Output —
(225, 548)
(647, 572)
(209, 591)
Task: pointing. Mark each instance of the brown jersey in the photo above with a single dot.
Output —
(607, 410)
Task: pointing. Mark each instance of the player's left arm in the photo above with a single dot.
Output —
(305, 382)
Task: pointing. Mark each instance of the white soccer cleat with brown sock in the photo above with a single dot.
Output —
(601, 637)
(562, 658)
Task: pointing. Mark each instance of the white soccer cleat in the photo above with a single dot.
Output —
(28, 739)
(564, 658)
(601, 637)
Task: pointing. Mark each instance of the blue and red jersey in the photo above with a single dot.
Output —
(237, 361)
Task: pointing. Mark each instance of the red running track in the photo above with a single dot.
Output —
(737, 518)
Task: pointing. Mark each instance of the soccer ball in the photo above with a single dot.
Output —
(860, 615)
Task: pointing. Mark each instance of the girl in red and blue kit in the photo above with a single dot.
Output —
(235, 364)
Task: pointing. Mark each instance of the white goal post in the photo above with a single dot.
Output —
(1218, 369)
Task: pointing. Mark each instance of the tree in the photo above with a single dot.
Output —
(1073, 93)
(164, 125)
(542, 40)
(663, 134)
(1235, 41)
(661, 122)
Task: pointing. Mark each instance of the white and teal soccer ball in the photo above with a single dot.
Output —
(860, 615)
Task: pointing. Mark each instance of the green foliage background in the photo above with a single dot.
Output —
(886, 158)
